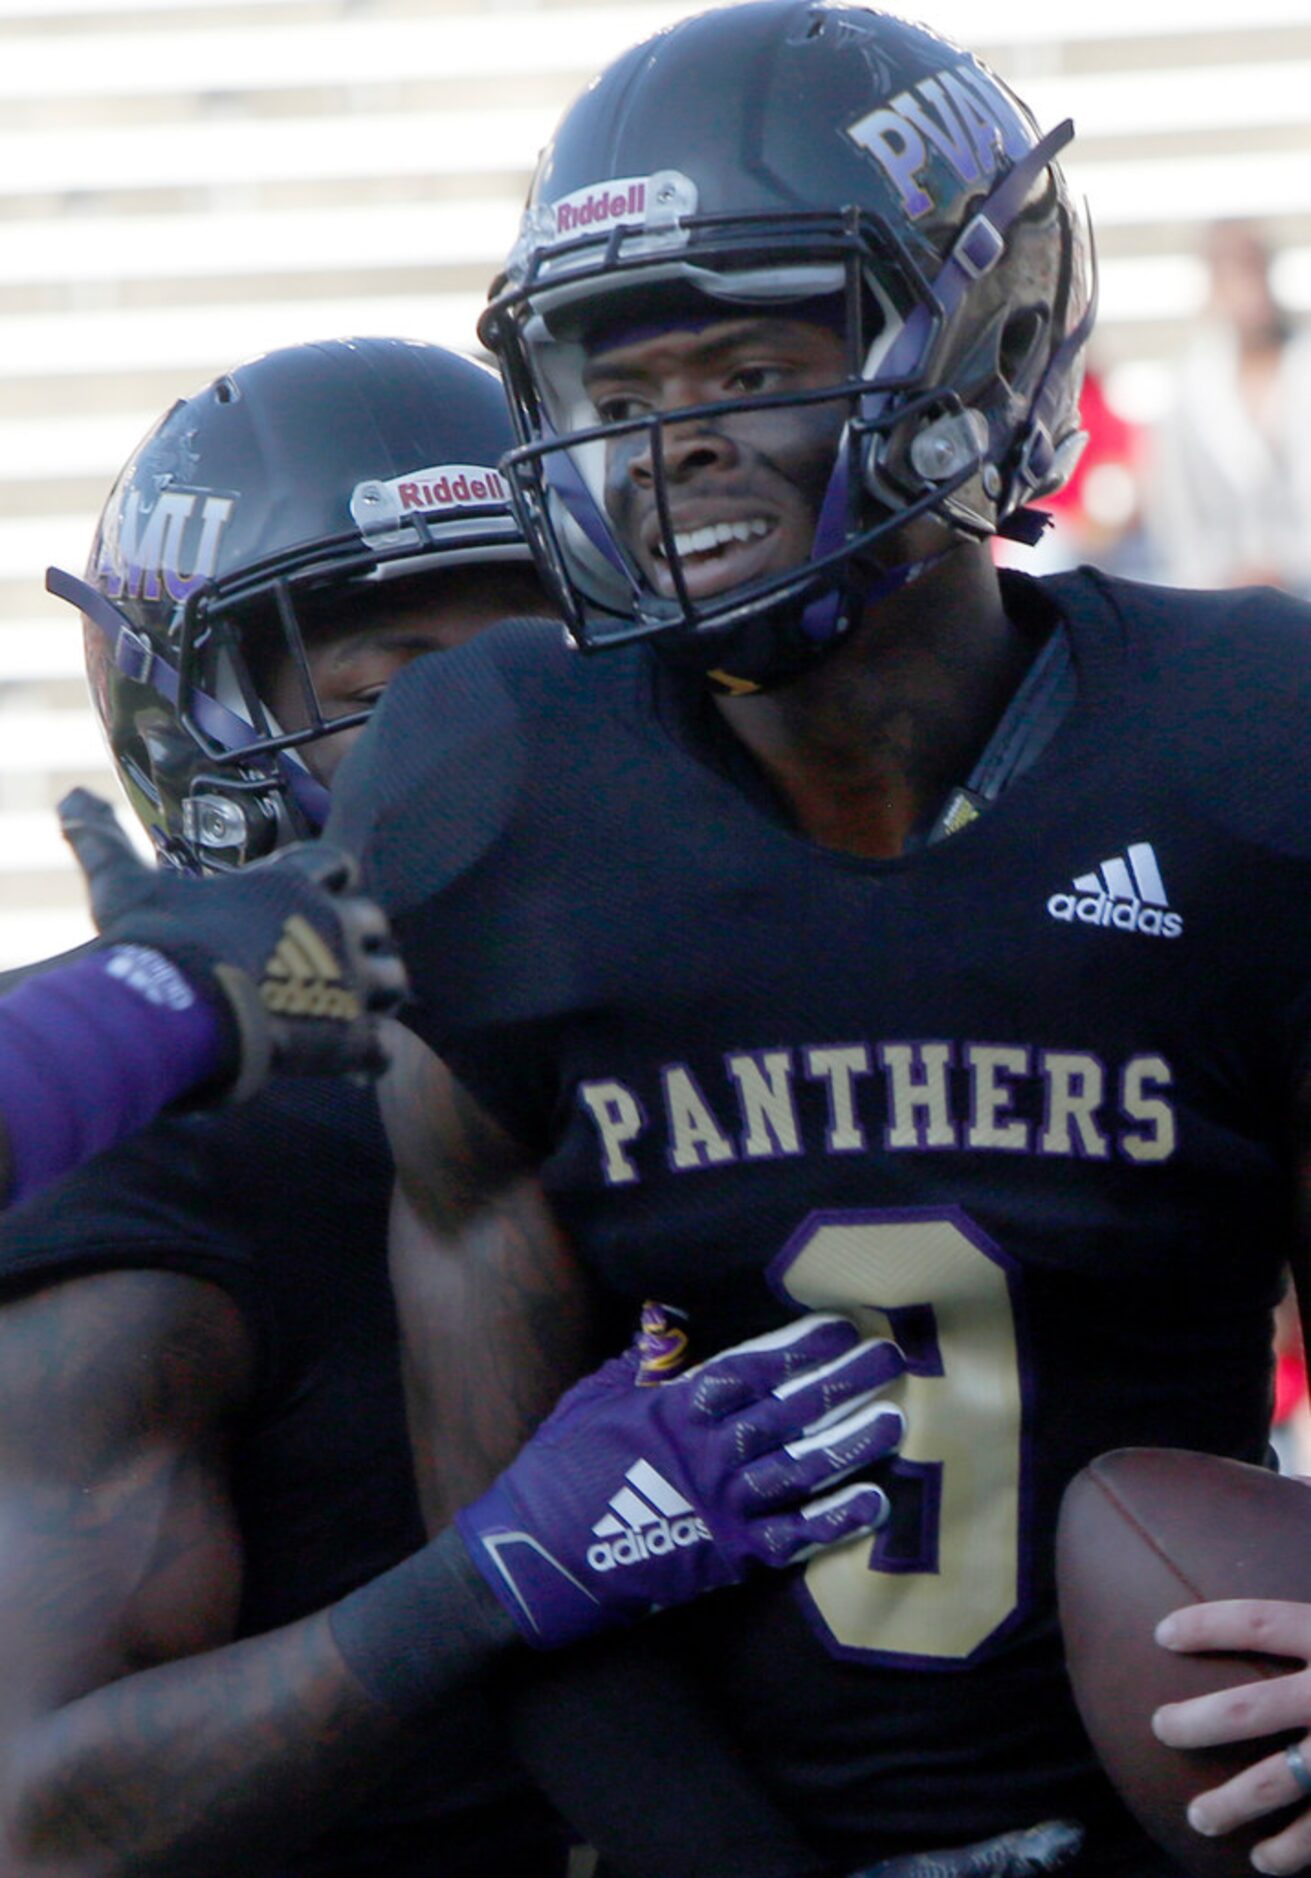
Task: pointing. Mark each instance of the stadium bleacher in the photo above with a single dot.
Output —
(186, 182)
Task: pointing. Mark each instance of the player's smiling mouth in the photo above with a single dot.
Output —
(713, 555)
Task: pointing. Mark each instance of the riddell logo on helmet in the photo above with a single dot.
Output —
(453, 486)
(601, 205)
(380, 509)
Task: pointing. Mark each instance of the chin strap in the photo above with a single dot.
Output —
(863, 587)
(1027, 526)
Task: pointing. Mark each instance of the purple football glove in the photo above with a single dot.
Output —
(628, 1499)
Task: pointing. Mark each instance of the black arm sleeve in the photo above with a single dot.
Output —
(624, 1746)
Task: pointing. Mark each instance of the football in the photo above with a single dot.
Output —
(1143, 1531)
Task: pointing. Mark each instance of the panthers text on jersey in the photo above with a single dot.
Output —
(1019, 1098)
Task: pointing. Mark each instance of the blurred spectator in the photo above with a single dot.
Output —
(1230, 489)
(1098, 514)
(1290, 1430)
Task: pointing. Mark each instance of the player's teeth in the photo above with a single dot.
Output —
(717, 534)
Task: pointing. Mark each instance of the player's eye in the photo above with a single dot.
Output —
(349, 703)
(616, 407)
(752, 381)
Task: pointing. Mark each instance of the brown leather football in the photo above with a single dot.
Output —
(1142, 1532)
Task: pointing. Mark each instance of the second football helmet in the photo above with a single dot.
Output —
(310, 472)
(797, 153)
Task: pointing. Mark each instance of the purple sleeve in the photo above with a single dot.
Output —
(91, 1051)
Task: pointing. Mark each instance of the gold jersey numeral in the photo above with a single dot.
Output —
(964, 1412)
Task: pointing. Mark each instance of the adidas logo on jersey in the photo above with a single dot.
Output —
(648, 1517)
(1127, 893)
(303, 979)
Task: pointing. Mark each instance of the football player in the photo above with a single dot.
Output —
(225, 1642)
(853, 924)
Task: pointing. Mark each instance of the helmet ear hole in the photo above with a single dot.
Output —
(171, 755)
(1020, 340)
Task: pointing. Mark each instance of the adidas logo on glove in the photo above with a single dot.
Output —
(303, 979)
(647, 1518)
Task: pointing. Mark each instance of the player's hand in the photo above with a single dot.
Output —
(301, 964)
(629, 1498)
(1271, 1705)
(1029, 1853)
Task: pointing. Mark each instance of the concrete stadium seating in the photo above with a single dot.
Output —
(186, 182)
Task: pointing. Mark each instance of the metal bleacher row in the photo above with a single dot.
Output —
(186, 182)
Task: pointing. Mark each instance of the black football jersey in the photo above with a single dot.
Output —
(1020, 1098)
(284, 1204)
